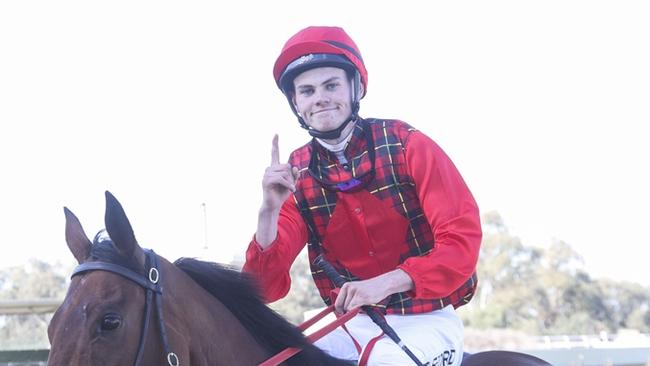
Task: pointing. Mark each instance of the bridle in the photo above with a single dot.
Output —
(152, 285)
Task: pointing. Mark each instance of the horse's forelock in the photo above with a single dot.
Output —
(103, 249)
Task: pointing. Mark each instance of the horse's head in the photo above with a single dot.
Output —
(113, 312)
(101, 318)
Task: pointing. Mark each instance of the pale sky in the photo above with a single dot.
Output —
(543, 106)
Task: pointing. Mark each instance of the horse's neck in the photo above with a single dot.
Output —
(215, 335)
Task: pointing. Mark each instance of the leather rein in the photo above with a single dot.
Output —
(152, 285)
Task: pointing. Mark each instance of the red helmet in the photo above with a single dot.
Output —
(318, 47)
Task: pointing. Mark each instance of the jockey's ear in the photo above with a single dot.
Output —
(295, 105)
(75, 236)
(120, 231)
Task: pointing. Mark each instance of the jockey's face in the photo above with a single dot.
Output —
(323, 97)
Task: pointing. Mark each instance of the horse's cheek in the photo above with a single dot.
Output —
(68, 344)
(67, 355)
(181, 343)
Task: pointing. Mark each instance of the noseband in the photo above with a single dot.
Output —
(152, 285)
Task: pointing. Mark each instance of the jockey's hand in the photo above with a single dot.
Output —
(371, 291)
(279, 180)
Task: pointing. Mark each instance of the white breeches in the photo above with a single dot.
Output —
(435, 337)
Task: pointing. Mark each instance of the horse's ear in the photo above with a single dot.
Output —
(76, 237)
(119, 228)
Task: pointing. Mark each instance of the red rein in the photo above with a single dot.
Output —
(288, 352)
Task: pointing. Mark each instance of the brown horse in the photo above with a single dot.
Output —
(128, 306)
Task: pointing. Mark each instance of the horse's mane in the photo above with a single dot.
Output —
(239, 293)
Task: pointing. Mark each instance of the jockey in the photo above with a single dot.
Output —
(378, 199)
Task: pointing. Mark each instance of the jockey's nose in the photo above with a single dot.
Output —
(322, 97)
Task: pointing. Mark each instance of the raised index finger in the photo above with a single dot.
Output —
(275, 151)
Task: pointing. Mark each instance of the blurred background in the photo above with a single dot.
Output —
(172, 107)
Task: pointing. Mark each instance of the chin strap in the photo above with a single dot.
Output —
(328, 135)
(331, 134)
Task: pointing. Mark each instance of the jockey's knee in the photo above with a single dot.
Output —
(390, 354)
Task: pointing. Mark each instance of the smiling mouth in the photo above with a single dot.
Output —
(324, 110)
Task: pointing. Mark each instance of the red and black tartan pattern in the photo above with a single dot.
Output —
(391, 182)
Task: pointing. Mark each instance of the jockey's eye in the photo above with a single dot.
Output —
(305, 91)
(332, 85)
(111, 321)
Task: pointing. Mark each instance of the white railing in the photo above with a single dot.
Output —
(624, 339)
(32, 306)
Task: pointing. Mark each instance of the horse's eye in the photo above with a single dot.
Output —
(111, 322)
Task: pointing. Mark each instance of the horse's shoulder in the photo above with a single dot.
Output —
(502, 358)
